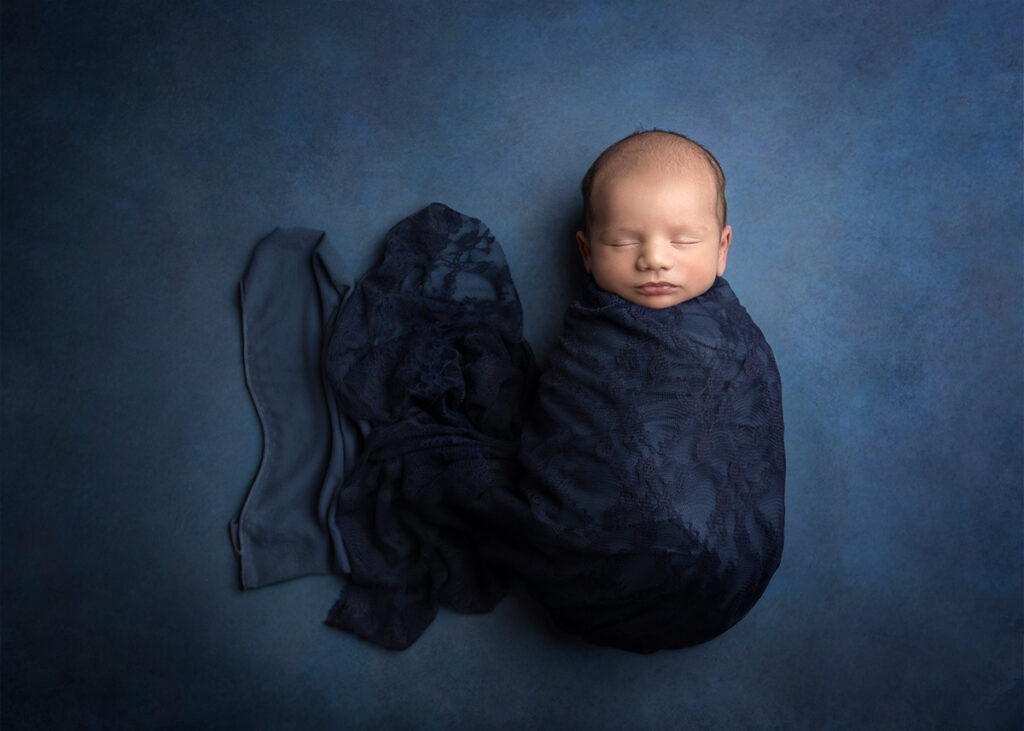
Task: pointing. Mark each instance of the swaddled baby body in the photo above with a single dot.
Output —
(653, 471)
(653, 462)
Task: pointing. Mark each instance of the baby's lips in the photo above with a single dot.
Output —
(657, 287)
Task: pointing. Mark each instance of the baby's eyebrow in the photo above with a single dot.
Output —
(680, 230)
(618, 231)
(689, 228)
(622, 229)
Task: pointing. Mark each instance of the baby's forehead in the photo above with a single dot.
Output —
(670, 169)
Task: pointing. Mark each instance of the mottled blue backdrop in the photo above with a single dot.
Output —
(873, 152)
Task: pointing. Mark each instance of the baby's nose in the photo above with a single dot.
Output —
(654, 256)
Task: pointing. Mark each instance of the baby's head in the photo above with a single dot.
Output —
(654, 226)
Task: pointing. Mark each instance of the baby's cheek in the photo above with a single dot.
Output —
(603, 280)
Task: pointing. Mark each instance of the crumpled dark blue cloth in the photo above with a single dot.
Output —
(428, 355)
(637, 492)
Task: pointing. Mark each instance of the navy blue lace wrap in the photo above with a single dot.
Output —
(653, 472)
(428, 355)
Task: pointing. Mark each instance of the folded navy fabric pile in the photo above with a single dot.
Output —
(637, 492)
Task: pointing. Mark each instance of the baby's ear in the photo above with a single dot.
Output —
(584, 247)
(723, 248)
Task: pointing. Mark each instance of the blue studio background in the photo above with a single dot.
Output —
(873, 153)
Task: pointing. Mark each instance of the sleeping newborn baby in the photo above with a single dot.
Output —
(653, 461)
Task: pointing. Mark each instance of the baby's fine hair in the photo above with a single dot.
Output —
(656, 144)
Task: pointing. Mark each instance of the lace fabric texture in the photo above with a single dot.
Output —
(653, 470)
(428, 355)
(637, 492)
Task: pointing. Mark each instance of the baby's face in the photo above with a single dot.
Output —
(654, 236)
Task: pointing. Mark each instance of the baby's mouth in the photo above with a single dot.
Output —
(656, 288)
